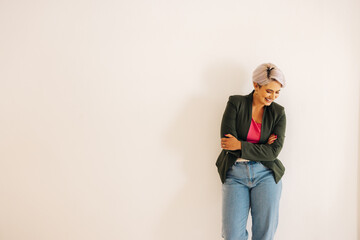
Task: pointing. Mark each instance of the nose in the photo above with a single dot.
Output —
(272, 96)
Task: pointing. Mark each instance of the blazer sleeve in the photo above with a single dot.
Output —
(228, 122)
(266, 152)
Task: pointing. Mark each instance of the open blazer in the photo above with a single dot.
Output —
(236, 121)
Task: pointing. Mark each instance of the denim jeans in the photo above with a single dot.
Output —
(250, 185)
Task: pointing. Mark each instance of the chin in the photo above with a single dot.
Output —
(268, 103)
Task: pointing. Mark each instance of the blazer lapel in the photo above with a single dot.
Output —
(265, 125)
(248, 113)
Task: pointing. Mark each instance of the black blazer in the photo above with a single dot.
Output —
(236, 121)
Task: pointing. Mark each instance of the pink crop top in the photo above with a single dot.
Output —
(254, 132)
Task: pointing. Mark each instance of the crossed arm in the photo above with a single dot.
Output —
(231, 143)
(252, 151)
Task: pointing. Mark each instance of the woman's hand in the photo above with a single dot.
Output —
(230, 143)
(272, 138)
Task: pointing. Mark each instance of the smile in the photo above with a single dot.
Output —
(268, 100)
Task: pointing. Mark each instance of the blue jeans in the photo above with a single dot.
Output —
(250, 185)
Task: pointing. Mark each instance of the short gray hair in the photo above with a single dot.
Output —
(267, 72)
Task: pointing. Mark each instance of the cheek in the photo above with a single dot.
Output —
(265, 94)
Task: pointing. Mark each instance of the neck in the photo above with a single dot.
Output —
(256, 102)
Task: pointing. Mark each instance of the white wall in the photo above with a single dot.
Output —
(111, 111)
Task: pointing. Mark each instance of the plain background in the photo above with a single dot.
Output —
(111, 111)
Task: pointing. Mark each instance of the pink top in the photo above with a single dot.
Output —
(254, 132)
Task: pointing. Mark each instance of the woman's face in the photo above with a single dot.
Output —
(266, 94)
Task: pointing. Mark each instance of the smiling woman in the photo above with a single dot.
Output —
(252, 136)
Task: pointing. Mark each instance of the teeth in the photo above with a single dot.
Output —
(268, 100)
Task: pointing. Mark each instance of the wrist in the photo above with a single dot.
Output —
(239, 145)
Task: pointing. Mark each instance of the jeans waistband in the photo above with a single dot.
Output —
(249, 162)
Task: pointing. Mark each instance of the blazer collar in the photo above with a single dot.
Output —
(250, 95)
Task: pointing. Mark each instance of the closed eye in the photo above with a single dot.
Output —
(270, 91)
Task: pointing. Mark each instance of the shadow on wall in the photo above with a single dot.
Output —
(195, 211)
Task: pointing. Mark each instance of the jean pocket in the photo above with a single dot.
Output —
(265, 166)
(237, 171)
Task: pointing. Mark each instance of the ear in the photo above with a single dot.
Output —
(255, 85)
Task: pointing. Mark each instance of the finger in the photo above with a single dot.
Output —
(229, 135)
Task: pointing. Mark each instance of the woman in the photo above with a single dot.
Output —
(252, 136)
